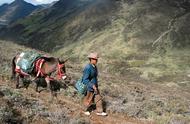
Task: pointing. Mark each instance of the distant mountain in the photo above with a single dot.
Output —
(140, 24)
(15, 10)
(48, 5)
(57, 20)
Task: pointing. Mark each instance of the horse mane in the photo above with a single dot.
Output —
(50, 59)
(53, 59)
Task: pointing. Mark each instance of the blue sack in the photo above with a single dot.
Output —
(81, 87)
(27, 59)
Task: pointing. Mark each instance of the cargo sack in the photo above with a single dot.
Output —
(26, 61)
(81, 87)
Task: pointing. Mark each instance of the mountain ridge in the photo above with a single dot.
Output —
(94, 15)
(53, 20)
(15, 10)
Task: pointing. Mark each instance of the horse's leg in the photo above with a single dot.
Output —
(48, 83)
(53, 92)
(37, 85)
(49, 88)
(13, 69)
(17, 81)
(23, 80)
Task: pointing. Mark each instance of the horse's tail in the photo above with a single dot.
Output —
(13, 68)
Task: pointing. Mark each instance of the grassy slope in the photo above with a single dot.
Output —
(53, 26)
(126, 50)
(127, 58)
(26, 103)
(126, 44)
(167, 102)
(21, 106)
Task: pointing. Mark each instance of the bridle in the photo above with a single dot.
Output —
(60, 73)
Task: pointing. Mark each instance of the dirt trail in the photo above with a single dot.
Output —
(74, 109)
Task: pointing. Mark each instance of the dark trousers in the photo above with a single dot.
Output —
(90, 98)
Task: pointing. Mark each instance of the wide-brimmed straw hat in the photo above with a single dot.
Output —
(93, 56)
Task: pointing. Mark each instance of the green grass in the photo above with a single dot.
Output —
(135, 77)
(174, 62)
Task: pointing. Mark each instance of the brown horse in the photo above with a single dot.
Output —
(44, 67)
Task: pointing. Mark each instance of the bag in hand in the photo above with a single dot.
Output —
(81, 87)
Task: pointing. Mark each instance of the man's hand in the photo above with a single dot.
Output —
(95, 89)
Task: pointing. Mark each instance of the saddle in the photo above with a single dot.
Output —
(26, 61)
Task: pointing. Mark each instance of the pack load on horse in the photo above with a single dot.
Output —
(25, 62)
(31, 63)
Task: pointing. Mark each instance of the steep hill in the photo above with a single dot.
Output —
(15, 10)
(143, 45)
(57, 22)
(146, 37)
(143, 22)
(27, 106)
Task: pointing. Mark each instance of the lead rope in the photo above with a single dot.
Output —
(60, 74)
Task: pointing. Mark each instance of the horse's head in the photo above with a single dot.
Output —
(61, 70)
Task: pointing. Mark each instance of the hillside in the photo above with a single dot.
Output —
(36, 28)
(27, 106)
(142, 32)
(142, 22)
(144, 49)
(131, 101)
(16, 10)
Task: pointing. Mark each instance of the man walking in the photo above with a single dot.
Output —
(89, 78)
